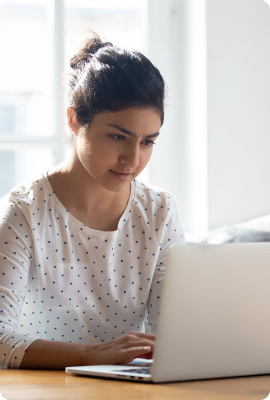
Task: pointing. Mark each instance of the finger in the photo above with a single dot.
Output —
(149, 336)
(147, 356)
(131, 353)
(138, 343)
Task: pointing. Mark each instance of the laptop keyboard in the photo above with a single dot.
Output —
(141, 371)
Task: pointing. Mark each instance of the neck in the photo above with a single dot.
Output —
(83, 196)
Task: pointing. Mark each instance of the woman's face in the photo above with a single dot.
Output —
(117, 146)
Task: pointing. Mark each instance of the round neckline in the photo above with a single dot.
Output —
(61, 208)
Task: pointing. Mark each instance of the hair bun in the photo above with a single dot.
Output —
(89, 47)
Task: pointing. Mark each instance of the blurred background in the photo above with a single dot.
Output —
(214, 150)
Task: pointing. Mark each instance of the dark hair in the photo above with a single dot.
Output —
(109, 78)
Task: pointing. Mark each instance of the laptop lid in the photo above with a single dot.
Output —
(214, 319)
(215, 313)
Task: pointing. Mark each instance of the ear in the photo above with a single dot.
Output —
(72, 120)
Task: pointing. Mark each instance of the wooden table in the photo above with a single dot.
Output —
(37, 385)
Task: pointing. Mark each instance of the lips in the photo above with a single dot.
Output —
(123, 176)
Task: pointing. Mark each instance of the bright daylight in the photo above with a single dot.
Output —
(134, 199)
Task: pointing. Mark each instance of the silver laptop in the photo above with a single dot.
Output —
(214, 319)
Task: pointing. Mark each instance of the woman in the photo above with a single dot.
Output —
(83, 247)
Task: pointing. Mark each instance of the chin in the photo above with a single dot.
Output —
(117, 187)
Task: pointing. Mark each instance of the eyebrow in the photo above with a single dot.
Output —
(132, 133)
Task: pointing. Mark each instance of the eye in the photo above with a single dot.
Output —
(148, 143)
(117, 137)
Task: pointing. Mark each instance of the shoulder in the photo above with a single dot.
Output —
(158, 206)
(156, 195)
(23, 195)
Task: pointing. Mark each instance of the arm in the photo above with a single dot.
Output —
(19, 350)
(45, 354)
(15, 257)
(172, 234)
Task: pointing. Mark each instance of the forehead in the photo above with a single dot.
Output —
(137, 120)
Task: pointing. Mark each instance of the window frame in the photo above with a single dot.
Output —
(56, 27)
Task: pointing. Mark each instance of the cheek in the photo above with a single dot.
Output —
(83, 149)
(145, 157)
(96, 158)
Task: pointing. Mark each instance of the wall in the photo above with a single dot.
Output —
(213, 154)
(177, 46)
(166, 46)
(238, 41)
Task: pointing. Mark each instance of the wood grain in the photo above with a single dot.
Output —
(41, 385)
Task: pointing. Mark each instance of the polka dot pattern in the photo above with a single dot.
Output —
(61, 280)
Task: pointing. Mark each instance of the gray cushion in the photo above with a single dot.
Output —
(256, 230)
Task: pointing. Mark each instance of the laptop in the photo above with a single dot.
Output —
(214, 319)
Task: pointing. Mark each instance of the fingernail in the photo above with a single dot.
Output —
(147, 348)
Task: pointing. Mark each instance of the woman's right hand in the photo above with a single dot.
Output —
(48, 354)
(121, 350)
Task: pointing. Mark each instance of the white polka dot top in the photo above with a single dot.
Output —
(60, 280)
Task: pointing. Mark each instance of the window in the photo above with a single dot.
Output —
(7, 119)
(26, 126)
(37, 39)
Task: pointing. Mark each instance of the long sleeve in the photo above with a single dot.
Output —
(61, 280)
(172, 234)
(15, 258)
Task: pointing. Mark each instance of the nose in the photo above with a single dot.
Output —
(131, 156)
